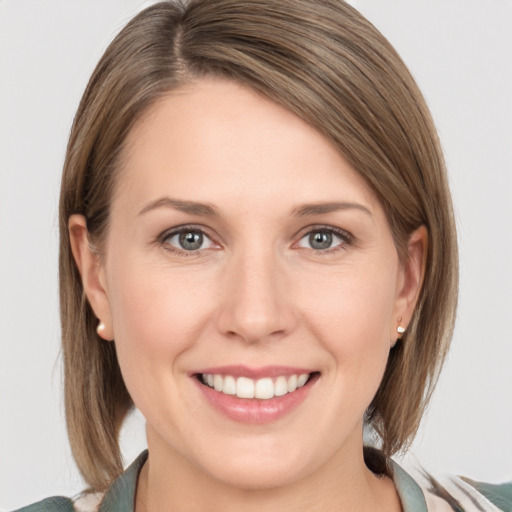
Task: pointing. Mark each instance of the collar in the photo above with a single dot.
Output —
(120, 496)
(409, 491)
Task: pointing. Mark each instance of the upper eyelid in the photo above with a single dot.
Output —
(172, 232)
(186, 227)
(322, 227)
(343, 233)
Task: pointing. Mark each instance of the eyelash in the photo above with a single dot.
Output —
(346, 238)
(182, 230)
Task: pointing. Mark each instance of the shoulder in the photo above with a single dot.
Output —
(461, 495)
(466, 494)
(119, 497)
(55, 504)
(453, 493)
(85, 503)
(499, 494)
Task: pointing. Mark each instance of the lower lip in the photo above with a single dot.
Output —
(253, 410)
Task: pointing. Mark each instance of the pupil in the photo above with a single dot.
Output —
(320, 240)
(191, 241)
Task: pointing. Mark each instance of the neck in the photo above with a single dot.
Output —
(170, 482)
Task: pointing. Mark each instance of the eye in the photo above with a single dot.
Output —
(324, 239)
(188, 240)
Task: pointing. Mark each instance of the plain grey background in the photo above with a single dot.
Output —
(460, 51)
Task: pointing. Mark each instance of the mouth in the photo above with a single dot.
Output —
(264, 388)
(255, 396)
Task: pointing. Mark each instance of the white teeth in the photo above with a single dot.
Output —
(292, 383)
(302, 379)
(244, 387)
(229, 385)
(281, 386)
(218, 382)
(263, 389)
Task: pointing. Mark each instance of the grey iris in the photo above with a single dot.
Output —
(191, 240)
(320, 240)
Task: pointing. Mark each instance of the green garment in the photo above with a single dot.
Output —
(120, 496)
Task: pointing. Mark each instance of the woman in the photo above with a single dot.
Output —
(258, 251)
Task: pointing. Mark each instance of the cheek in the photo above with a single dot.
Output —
(353, 319)
(353, 303)
(156, 317)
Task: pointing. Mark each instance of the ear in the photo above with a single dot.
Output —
(410, 281)
(91, 268)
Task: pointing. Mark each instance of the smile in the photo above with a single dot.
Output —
(262, 389)
(255, 395)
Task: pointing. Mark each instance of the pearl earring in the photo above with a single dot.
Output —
(400, 329)
(100, 329)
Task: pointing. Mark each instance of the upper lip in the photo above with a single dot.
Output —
(253, 372)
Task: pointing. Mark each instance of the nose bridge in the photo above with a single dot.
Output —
(257, 304)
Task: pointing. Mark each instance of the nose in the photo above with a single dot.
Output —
(257, 304)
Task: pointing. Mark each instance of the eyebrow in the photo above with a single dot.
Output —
(329, 207)
(191, 207)
(208, 210)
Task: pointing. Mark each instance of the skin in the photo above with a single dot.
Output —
(257, 294)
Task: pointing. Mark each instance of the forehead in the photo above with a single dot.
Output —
(217, 140)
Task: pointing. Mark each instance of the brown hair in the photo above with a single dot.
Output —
(319, 59)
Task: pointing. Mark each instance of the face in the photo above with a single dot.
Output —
(252, 287)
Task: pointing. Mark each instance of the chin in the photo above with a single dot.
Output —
(256, 467)
(254, 475)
